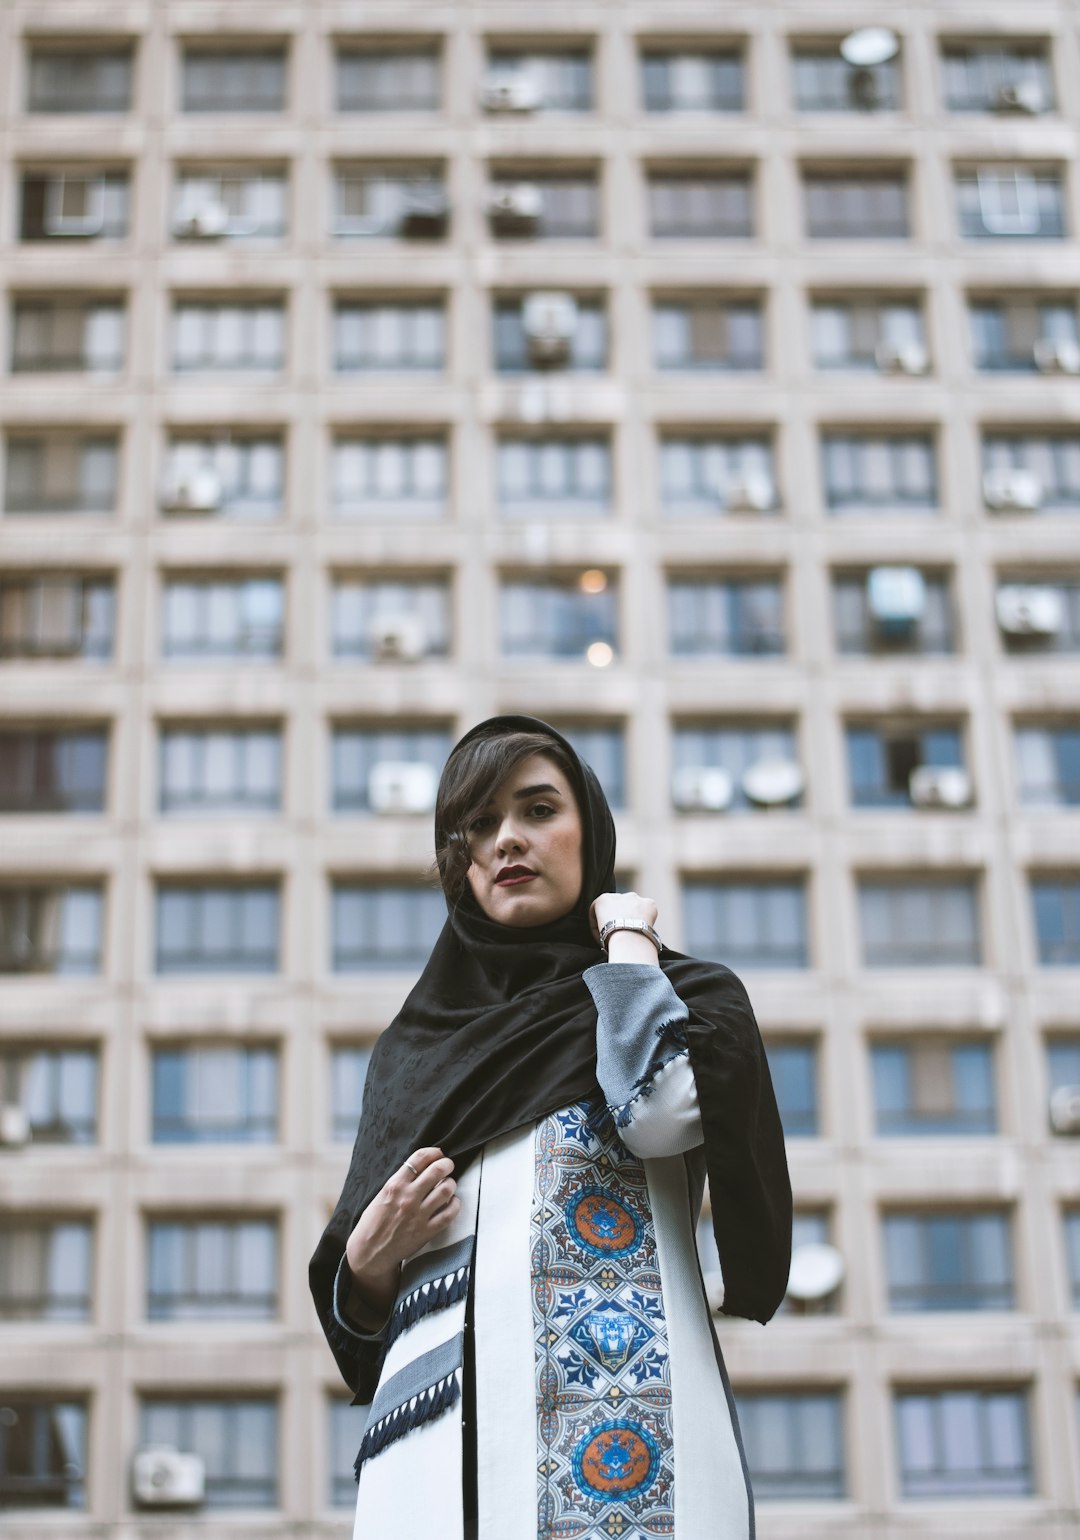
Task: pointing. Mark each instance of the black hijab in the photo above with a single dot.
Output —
(500, 1030)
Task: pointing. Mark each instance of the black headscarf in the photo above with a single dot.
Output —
(500, 1030)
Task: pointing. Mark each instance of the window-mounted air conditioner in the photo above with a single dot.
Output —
(1024, 610)
(896, 598)
(165, 1478)
(549, 320)
(902, 358)
(425, 211)
(944, 786)
(749, 494)
(516, 208)
(208, 222)
(193, 491)
(1019, 96)
(1065, 1110)
(702, 789)
(772, 782)
(15, 1129)
(817, 1270)
(402, 787)
(516, 92)
(398, 638)
(1057, 356)
(1011, 489)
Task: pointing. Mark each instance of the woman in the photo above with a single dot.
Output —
(510, 1279)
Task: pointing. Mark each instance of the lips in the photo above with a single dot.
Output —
(511, 876)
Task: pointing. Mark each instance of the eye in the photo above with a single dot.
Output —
(543, 809)
(479, 824)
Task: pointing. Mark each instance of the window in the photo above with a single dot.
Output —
(749, 923)
(708, 618)
(865, 472)
(56, 617)
(856, 206)
(400, 477)
(1072, 1247)
(588, 347)
(231, 476)
(348, 1072)
(346, 1434)
(57, 1088)
(217, 929)
(793, 1068)
(390, 201)
(61, 472)
(704, 476)
(1064, 636)
(569, 205)
(705, 80)
(915, 923)
(1023, 335)
(1051, 460)
(733, 747)
(361, 611)
(79, 79)
(233, 80)
(948, 1260)
(810, 1227)
(383, 926)
(1019, 201)
(52, 771)
(885, 336)
(563, 78)
(826, 82)
(552, 618)
(388, 80)
(74, 204)
(997, 77)
(859, 631)
(45, 1269)
(54, 930)
(1048, 766)
(1056, 903)
(708, 334)
(604, 748)
(215, 1094)
(224, 769)
(794, 1443)
(402, 336)
(212, 1270)
(233, 204)
(244, 618)
(236, 1439)
(42, 1453)
(701, 205)
(933, 1086)
(881, 760)
(1062, 1062)
(81, 336)
(220, 335)
(565, 477)
(357, 750)
(964, 1443)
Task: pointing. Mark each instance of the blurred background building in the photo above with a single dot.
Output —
(702, 377)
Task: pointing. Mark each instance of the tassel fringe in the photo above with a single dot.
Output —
(423, 1301)
(644, 1087)
(417, 1411)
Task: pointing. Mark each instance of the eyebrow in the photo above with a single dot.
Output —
(532, 791)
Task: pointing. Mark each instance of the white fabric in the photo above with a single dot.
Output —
(668, 1120)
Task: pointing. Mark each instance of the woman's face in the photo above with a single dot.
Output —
(526, 847)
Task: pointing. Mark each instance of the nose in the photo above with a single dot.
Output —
(510, 835)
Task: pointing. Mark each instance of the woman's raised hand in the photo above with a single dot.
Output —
(620, 906)
(418, 1201)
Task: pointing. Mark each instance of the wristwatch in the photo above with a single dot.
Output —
(639, 925)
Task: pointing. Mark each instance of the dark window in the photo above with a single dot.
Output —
(61, 473)
(365, 617)
(756, 923)
(237, 1441)
(701, 205)
(848, 207)
(348, 1073)
(247, 335)
(948, 1261)
(709, 618)
(1072, 1248)
(82, 79)
(908, 923)
(77, 336)
(228, 80)
(215, 1095)
(1048, 766)
(793, 1067)
(57, 1088)
(390, 478)
(1056, 902)
(701, 81)
(569, 206)
(552, 619)
(1050, 462)
(388, 80)
(42, 1453)
(997, 77)
(346, 1433)
(1063, 1062)
(570, 477)
(393, 336)
(74, 204)
(241, 619)
(390, 201)
(1062, 635)
(884, 336)
(733, 748)
(53, 930)
(932, 1086)
(212, 1270)
(585, 353)
(240, 204)
(964, 1443)
(865, 472)
(217, 929)
(356, 751)
(706, 476)
(1024, 336)
(220, 770)
(794, 1443)
(57, 617)
(45, 1270)
(708, 334)
(229, 477)
(861, 631)
(996, 202)
(881, 760)
(384, 926)
(563, 79)
(826, 82)
(52, 771)
(604, 748)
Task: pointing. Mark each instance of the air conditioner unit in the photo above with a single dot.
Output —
(398, 639)
(817, 1270)
(1029, 611)
(1019, 96)
(772, 782)
(1057, 357)
(944, 786)
(165, 1478)
(518, 92)
(208, 222)
(749, 494)
(1010, 489)
(15, 1130)
(425, 211)
(702, 789)
(516, 207)
(549, 321)
(1065, 1109)
(902, 358)
(896, 597)
(395, 787)
(195, 491)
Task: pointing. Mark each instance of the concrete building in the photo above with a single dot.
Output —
(300, 478)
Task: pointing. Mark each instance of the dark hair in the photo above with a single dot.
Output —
(470, 778)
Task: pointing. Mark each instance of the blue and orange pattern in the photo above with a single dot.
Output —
(603, 1380)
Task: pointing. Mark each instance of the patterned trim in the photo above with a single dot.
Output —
(419, 1393)
(431, 1282)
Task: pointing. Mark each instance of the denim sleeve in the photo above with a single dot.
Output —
(642, 1062)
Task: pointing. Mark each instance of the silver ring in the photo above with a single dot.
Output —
(412, 1168)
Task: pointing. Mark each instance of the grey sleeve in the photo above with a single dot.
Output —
(343, 1295)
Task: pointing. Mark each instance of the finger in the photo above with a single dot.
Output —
(424, 1184)
(439, 1194)
(445, 1215)
(419, 1161)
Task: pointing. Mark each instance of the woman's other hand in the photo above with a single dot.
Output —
(410, 1211)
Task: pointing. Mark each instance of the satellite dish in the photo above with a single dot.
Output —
(816, 1270)
(870, 45)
